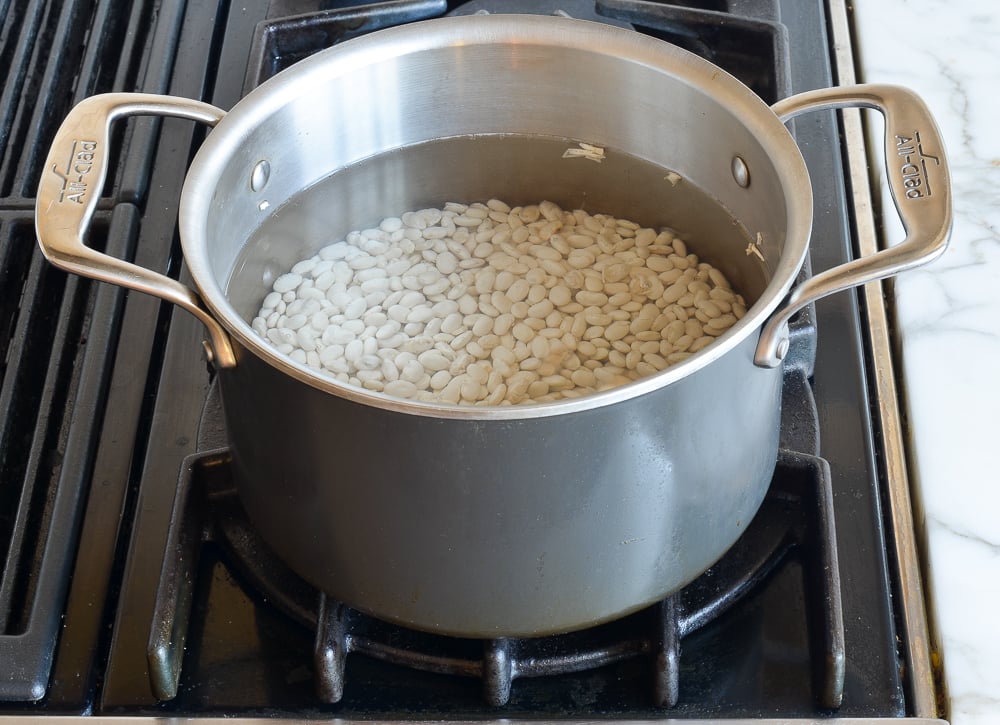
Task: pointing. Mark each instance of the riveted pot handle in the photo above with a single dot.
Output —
(921, 189)
(70, 188)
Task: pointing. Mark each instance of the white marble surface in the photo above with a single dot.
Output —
(949, 318)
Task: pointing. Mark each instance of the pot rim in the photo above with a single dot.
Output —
(597, 38)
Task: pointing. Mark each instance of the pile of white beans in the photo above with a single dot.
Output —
(486, 304)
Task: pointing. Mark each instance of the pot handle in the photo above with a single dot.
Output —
(70, 188)
(921, 190)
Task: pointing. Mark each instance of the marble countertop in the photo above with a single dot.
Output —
(948, 316)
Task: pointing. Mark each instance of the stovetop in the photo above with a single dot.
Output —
(105, 425)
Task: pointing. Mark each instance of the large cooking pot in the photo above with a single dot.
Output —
(494, 521)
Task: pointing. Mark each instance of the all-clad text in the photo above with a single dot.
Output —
(74, 175)
(914, 167)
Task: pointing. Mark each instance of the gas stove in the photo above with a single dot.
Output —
(132, 585)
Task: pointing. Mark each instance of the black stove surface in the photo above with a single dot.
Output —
(103, 398)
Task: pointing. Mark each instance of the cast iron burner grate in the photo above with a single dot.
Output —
(745, 38)
(795, 519)
(112, 393)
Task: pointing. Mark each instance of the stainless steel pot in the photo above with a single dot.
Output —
(497, 521)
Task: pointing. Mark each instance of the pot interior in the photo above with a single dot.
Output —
(517, 169)
(465, 109)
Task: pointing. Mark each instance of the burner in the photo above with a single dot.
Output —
(579, 9)
(754, 49)
(282, 41)
(795, 520)
(745, 39)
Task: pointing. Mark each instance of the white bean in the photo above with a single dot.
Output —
(433, 360)
(287, 282)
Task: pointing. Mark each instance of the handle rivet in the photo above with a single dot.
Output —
(260, 174)
(782, 350)
(741, 174)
